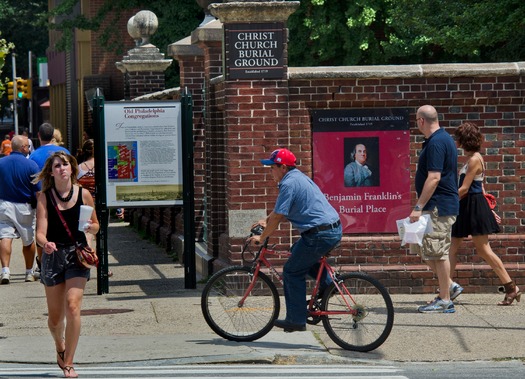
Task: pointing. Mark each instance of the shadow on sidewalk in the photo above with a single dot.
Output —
(140, 268)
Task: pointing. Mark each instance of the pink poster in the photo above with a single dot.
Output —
(361, 163)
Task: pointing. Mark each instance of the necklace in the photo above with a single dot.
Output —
(64, 199)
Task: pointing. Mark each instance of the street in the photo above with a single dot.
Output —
(151, 369)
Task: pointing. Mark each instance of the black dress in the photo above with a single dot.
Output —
(475, 216)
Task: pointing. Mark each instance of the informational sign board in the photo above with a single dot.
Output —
(361, 161)
(143, 153)
(254, 50)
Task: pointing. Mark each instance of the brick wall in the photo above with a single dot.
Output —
(493, 101)
(245, 120)
(258, 118)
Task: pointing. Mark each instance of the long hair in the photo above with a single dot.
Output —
(88, 149)
(48, 181)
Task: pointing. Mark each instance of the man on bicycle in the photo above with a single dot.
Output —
(302, 203)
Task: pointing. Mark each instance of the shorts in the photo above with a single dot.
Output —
(436, 245)
(17, 220)
(60, 266)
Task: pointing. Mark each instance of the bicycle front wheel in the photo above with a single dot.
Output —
(368, 322)
(234, 319)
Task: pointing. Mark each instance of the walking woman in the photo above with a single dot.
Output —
(63, 277)
(475, 217)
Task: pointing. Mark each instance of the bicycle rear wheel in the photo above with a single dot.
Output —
(220, 304)
(371, 326)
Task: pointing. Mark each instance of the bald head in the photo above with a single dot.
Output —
(18, 143)
(427, 120)
(428, 112)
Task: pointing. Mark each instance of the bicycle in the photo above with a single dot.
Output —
(241, 303)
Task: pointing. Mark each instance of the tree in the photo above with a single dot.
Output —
(5, 47)
(20, 24)
(340, 32)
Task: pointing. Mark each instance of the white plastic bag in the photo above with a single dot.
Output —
(413, 232)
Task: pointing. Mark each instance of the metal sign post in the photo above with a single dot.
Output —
(190, 280)
(100, 194)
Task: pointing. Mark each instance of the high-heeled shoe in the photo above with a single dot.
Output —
(512, 292)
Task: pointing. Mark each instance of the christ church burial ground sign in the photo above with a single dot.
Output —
(254, 50)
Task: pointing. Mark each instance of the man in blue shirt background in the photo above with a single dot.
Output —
(17, 202)
(45, 135)
(301, 202)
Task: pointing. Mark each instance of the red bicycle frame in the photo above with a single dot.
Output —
(260, 259)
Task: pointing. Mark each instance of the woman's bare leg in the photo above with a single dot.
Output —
(485, 251)
(73, 303)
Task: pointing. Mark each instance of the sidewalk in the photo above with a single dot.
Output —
(148, 315)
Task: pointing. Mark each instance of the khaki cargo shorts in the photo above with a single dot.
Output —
(436, 245)
(17, 220)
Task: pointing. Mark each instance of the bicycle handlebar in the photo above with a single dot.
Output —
(255, 231)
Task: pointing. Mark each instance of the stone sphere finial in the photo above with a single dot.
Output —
(142, 26)
(134, 32)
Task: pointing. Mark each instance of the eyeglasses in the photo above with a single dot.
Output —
(419, 118)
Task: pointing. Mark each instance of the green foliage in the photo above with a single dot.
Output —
(5, 48)
(340, 32)
(19, 26)
(322, 32)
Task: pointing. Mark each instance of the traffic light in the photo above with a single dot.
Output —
(10, 91)
(24, 88)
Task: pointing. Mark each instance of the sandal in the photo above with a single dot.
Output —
(67, 372)
(60, 356)
(512, 292)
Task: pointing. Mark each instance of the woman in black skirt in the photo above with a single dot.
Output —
(475, 216)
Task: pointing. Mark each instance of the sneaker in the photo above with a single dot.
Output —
(455, 291)
(438, 306)
(5, 278)
(30, 277)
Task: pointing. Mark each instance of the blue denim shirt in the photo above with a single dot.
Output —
(301, 201)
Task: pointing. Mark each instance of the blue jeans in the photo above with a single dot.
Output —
(306, 253)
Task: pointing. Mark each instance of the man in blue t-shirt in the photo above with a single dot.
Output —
(17, 203)
(302, 203)
(45, 135)
(437, 192)
(40, 155)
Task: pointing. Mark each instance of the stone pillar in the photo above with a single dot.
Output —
(249, 113)
(144, 65)
(143, 70)
(208, 38)
(191, 60)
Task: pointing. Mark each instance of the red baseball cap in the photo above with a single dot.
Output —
(280, 156)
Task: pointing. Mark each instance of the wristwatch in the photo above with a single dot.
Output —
(418, 208)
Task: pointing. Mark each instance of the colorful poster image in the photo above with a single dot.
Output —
(361, 162)
(122, 162)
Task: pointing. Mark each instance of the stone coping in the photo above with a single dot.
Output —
(409, 71)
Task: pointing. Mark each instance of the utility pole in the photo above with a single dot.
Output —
(15, 93)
